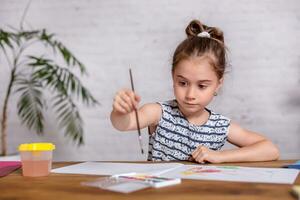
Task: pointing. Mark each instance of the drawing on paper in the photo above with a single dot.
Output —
(227, 171)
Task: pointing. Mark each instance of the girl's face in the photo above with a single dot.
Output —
(195, 83)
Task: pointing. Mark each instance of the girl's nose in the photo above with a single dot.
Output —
(190, 93)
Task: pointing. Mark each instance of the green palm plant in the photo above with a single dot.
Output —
(31, 75)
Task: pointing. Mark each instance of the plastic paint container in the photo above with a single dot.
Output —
(36, 159)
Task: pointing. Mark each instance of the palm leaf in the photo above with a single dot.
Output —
(62, 82)
(5, 39)
(8, 38)
(60, 79)
(28, 35)
(69, 117)
(68, 56)
(30, 104)
(15, 38)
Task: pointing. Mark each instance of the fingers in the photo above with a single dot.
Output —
(118, 108)
(200, 154)
(191, 159)
(125, 101)
(137, 98)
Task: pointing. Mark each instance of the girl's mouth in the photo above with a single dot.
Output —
(190, 104)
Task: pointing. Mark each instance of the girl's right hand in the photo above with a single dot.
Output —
(125, 101)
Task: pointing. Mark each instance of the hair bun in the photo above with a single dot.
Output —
(195, 27)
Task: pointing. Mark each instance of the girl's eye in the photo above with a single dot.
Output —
(182, 83)
(202, 86)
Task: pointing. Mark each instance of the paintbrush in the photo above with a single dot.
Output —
(136, 115)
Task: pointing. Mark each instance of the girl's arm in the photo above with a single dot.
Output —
(123, 115)
(253, 147)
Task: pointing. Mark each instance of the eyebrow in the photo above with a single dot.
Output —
(201, 81)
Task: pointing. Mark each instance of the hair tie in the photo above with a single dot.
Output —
(204, 34)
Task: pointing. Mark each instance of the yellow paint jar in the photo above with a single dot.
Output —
(36, 159)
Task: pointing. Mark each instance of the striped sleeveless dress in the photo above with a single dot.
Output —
(175, 138)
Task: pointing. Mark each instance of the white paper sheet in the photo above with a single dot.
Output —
(111, 168)
(234, 173)
(178, 170)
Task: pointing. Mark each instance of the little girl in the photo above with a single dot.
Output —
(183, 128)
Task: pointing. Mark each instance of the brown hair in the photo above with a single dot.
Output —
(195, 46)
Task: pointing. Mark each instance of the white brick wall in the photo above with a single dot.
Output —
(261, 89)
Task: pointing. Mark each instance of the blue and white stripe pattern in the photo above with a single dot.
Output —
(175, 138)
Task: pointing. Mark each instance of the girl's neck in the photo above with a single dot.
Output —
(197, 118)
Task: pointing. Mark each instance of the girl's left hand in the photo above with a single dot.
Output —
(203, 154)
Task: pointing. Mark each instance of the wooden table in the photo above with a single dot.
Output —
(67, 186)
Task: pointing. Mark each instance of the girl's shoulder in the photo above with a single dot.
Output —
(151, 113)
(156, 110)
(162, 106)
(169, 105)
(152, 107)
(217, 118)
